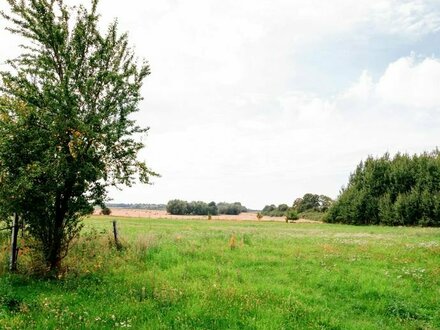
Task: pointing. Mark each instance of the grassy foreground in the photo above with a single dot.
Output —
(188, 274)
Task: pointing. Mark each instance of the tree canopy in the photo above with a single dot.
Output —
(66, 130)
(403, 190)
(275, 211)
(312, 202)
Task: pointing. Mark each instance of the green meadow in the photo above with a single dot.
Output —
(200, 274)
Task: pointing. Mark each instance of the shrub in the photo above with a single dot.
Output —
(106, 211)
(312, 215)
(292, 214)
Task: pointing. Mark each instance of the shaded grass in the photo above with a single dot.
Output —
(183, 274)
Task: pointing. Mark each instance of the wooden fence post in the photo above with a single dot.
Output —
(14, 249)
(115, 233)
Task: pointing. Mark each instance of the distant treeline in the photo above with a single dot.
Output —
(309, 202)
(181, 207)
(403, 190)
(140, 206)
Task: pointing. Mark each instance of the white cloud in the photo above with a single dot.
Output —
(408, 82)
(362, 89)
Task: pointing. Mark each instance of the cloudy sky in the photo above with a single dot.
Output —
(262, 101)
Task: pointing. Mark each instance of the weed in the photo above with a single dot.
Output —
(232, 242)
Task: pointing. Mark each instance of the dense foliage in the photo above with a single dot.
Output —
(180, 207)
(231, 208)
(292, 214)
(403, 190)
(312, 202)
(309, 202)
(65, 127)
(275, 211)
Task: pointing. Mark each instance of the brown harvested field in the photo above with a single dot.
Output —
(158, 214)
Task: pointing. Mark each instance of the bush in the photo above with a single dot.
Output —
(106, 211)
(403, 191)
(312, 215)
(292, 214)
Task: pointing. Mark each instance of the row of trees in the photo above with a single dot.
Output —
(138, 206)
(309, 202)
(403, 190)
(275, 211)
(181, 207)
(231, 208)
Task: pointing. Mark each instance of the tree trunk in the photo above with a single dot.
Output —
(14, 249)
(56, 249)
(53, 257)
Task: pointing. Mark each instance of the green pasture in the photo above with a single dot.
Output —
(200, 274)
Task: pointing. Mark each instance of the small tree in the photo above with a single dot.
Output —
(66, 133)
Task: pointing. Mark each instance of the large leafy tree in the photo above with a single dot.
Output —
(66, 130)
(313, 202)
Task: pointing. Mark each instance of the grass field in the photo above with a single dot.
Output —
(195, 274)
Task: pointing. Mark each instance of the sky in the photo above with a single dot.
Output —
(263, 101)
